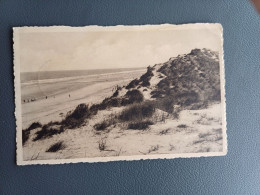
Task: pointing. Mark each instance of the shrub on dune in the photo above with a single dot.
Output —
(34, 125)
(110, 102)
(104, 124)
(26, 132)
(132, 84)
(56, 147)
(48, 131)
(165, 104)
(80, 111)
(140, 125)
(77, 117)
(137, 112)
(133, 96)
(25, 136)
(145, 78)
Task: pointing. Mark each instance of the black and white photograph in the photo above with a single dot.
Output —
(98, 94)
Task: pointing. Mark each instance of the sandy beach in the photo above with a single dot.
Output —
(65, 94)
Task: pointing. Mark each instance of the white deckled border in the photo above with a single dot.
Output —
(215, 27)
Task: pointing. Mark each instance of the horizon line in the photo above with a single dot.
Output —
(84, 69)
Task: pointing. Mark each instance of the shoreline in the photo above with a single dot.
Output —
(56, 106)
(61, 79)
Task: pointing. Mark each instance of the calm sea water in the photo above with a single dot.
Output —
(43, 75)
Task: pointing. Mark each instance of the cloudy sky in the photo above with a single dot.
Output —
(48, 51)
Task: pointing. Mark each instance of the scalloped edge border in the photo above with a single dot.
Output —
(17, 90)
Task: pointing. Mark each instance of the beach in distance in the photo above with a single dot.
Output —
(47, 96)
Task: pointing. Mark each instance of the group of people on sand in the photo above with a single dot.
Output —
(30, 100)
(34, 99)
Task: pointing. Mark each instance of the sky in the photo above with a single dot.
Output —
(71, 50)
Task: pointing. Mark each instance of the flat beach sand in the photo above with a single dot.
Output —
(65, 94)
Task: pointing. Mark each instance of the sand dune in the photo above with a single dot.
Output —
(194, 131)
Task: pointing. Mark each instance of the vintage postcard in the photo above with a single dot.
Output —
(97, 94)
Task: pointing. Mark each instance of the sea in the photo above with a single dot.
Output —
(46, 75)
(39, 85)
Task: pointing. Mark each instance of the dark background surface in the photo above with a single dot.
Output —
(236, 173)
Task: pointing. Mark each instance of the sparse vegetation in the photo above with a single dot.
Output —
(145, 78)
(182, 126)
(132, 84)
(77, 117)
(104, 124)
(204, 120)
(198, 141)
(164, 132)
(161, 76)
(140, 125)
(118, 152)
(118, 88)
(218, 131)
(109, 102)
(153, 148)
(165, 104)
(137, 112)
(102, 145)
(204, 135)
(199, 105)
(171, 147)
(25, 136)
(48, 130)
(204, 149)
(56, 147)
(115, 94)
(133, 96)
(26, 132)
(34, 125)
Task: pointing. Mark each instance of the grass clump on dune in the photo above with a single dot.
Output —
(34, 125)
(77, 117)
(140, 125)
(105, 124)
(137, 112)
(26, 132)
(49, 130)
(56, 147)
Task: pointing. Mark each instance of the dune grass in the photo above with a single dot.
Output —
(49, 130)
(56, 147)
(26, 132)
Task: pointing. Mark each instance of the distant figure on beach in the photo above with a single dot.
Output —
(69, 95)
(46, 97)
(24, 101)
